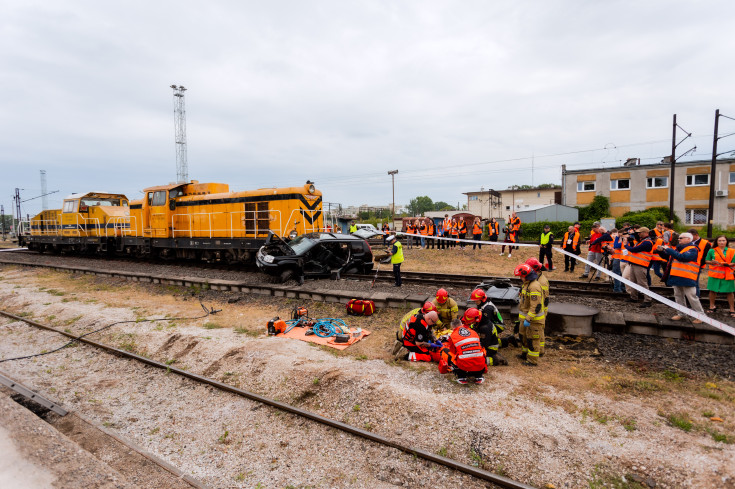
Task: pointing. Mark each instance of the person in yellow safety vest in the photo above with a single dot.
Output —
(477, 233)
(544, 281)
(638, 258)
(546, 242)
(532, 316)
(430, 232)
(353, 227)
(684, 274)
(446, 231)
(446, 307)
(721, 278)
(396, 258)
(493, 230)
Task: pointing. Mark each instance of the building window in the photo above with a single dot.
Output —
(657, 182)
(507, 207)
(473, 197)
(620, 184)
(585, 186)
(697, 180)
(696, 217)
(732, 178)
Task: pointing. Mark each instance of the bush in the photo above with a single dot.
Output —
(532, 230)
(599, 208)
(647, 218)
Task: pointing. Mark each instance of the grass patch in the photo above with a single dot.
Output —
(210, 325)
(55, 292)
(72, 320)
(679, 420)
(247, 332)
(630, 424)
(721, 437)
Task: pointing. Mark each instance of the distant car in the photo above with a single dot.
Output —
(368, 227)
(314, 255)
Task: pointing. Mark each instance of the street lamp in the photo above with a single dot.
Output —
(393, 207)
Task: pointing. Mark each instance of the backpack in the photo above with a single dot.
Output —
(357, 307)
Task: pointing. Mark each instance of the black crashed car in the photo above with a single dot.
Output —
(314, 255)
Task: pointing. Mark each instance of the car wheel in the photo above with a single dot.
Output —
(286, 275)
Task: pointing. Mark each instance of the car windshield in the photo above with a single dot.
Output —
(301, 244)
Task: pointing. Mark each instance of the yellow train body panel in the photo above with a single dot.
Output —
(210, 210)
(95, 214)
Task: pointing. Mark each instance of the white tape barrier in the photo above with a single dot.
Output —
(689, 312)
(13, 249)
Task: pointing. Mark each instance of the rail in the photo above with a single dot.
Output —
(368, 435)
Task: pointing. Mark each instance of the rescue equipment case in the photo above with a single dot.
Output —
(358, 307)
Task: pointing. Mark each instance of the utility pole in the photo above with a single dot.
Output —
(17, 206)
(44, 191)
(673, 174)
(393, 207)
(710, 212)
(182, 166)
(2, 220)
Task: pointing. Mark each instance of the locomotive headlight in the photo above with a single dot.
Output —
(312, 189)
(293, 235)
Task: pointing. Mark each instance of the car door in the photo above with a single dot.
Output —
(316, 261)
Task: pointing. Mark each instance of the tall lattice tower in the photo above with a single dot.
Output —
(44, 191)
(182, 166)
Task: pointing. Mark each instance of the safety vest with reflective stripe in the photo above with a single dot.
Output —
(476, 229)
(447, 225)
(642, 258)
(462, 227)
(656, 256)
(545, 238)
(689, 269)
(397, 257)
(722, 273)
(575, 240)
(515, 224)
(466, 349)
(423, 229)
(493, 228)
(617, 253)
(531, 293)
(430, 228)
(454, 229)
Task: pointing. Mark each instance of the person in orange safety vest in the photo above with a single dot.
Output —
(477, 233)
(463, 354)
(684, 274)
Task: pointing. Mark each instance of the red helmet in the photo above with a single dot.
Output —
(522, 270)
(471, 316)
(442, 296)
(478, 295)
(535, 264)
(428, 307)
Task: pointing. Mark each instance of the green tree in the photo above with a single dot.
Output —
(547, 185)
(600, 207)
(419, 205)
(442, 206)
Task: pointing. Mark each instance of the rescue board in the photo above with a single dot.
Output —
(300, 334)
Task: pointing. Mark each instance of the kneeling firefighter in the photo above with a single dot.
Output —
(489, 327)
(427, 307)
(532, 316)
(418, 341)
(463, 353)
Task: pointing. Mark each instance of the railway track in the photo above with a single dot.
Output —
(475, 472)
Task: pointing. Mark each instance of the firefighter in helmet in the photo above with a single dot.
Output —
(489, 327)
(532, 316)
(544, 281)
(447, 309)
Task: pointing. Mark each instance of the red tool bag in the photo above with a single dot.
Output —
(357, 307)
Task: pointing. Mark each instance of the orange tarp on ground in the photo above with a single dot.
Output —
(299, 333)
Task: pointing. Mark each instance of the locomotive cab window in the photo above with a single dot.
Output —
(177, 192)
(70, 205)
(159, 198)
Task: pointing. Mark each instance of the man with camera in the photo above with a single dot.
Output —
(638, 257)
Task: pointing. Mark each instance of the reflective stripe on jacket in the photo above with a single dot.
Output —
(465, 347)
(685, 269)
(493, 228)
(476, 229)
(642, 258)
(397, 256)
(722, 273)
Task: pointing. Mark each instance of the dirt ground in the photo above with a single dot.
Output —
(578, 420)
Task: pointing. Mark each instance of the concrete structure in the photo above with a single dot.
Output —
(550, 213)
(499, 204)
(639, 187)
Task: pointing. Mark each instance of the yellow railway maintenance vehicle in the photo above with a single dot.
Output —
(208, 222)
(192, 220)
(87, 223)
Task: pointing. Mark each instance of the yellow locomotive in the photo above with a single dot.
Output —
(185, 220)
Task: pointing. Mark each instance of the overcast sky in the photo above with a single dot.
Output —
(456, 95)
